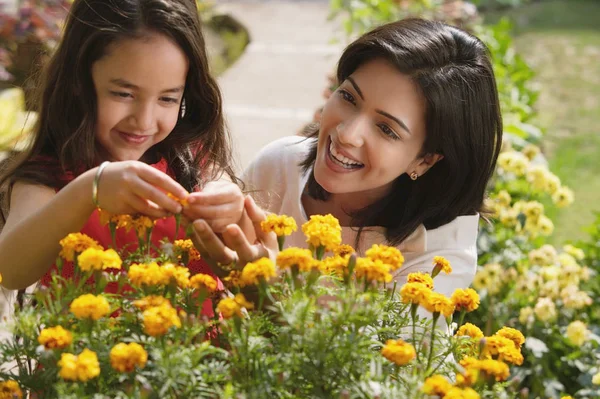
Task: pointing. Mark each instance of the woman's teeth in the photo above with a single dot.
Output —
(342, 160)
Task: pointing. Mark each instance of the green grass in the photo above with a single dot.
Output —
(561, 40)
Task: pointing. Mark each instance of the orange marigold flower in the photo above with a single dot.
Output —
(421, 278)
(372, 270)
(159, 319)
(398, 351)
(125, 357)
(83, 367)
(10, 390)
(438, 303)
(76, 243)
(323, 230)
(440, 264)
(55, 338)
(514, 335)
(150, 301)
(203, 281)
(344, 250)
(436, 385)
(90, 306)
(388, 255)
(469, 330)
(229, 307)
(253, 272)
(300, 257)
(415, 293)
(465, 299)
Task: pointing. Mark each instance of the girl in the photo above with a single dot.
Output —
(129, 83)
(405, 148)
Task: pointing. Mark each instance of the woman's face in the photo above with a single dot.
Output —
(372, 131)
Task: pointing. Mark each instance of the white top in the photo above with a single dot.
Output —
(276, 182)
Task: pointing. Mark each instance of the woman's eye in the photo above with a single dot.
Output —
(121, 94)
(388, 131)
(347, 97)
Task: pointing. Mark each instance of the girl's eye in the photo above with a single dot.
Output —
(347, 97)
(121, 94)
(170, 100)
(388, 131)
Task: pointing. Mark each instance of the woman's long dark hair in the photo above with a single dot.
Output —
(64, 137)
(452, 69)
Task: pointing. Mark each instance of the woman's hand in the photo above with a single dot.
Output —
(219, 204)
(131, 187)
(235, 246)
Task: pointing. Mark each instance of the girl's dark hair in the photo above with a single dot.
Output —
(64, 137)
(452, 69)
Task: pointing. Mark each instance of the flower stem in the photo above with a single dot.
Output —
(436, 315)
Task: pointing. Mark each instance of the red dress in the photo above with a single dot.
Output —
(127, 242)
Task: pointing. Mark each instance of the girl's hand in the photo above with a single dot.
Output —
(235, 246)
(133, 187)
(219, 204)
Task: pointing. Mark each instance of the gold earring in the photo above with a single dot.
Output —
(414, 176)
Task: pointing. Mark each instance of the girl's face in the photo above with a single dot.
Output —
(139, 88)
(372, 131)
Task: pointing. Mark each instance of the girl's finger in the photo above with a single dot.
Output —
(162, 181)
(214, 212)
(214, 198)
(237, 241)
(147, 208)
(144, 190)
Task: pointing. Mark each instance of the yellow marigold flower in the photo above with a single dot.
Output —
(76, 243)
(537, 176)
(228, 307)
(159, 319)
(525, 315)
(344, 250)
(150, 301)
(513, 162)
(142, 224)
(398, 351)
(125, 357)
(545, 225)
(461, 393)
(440, 264)
(514, 335)
(436, 385)
(204, 281)
(415, 293)
(421, 278)
(300, 257)
(336, 265)
(494, 368)
(98, 259)
(323, 231)
(469, 330)
(55, 338)
(575, 252)
(509, 217)
(79, 368)
(253, 272)
(180, 275)
(90, 306)
(123, 221)
(146, 273)
(281, 225)
(10, 390)
(577, 333)
(531, 151)
(389, 255)
(563, 197)
(533, 209)
(438, 303)
(545, 309)
(372, 270)
(503, 198)
(467, 378)
(465, 299)
(566, 397)
(504, 348)
(182, 201)
(233, 279)
(573, 298)
(186, 246)
(596, 379)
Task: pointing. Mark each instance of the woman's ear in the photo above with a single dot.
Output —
(423, 164)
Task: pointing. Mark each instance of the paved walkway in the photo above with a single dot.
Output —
(275, 87)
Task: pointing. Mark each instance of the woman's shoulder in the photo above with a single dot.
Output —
(459, 233)
(286, 148)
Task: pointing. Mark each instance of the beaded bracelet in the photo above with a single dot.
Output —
(96, 181)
